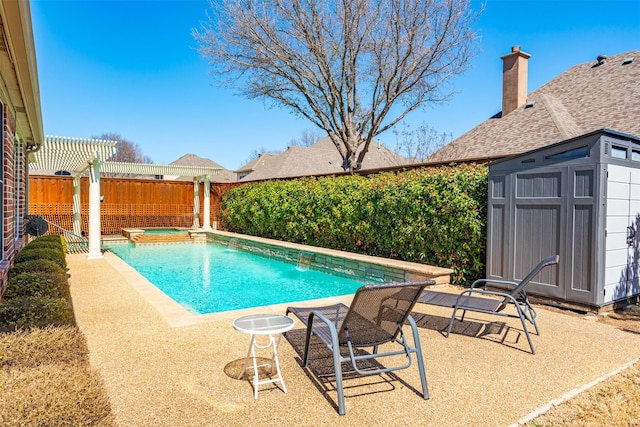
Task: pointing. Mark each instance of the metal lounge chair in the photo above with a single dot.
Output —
(375, 316)
(475, 299)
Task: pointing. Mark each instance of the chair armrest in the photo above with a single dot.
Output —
(483, 282)
(507, 297)
(332, 328)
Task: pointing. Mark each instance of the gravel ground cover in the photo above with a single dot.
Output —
(483, 374)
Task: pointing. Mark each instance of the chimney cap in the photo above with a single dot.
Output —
(601, 58)
(515, 51)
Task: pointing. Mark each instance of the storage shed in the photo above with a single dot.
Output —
(580, 199)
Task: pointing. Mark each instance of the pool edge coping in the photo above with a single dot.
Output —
(177, 316)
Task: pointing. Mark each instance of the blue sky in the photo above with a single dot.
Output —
(130, 67)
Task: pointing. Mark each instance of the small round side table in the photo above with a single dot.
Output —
(267, 325)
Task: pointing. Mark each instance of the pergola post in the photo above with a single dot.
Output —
(207, 204)
(77, 226)
(94, 209)
(196, 203)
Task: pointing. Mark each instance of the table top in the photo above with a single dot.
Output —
(263, 324)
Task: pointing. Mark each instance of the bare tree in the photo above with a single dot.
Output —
(307, 138)
(126, 151)
(419, 143)
(354, 68)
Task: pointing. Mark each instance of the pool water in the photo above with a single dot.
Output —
(207, 278)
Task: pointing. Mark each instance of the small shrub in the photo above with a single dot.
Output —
(43, 245)
(29, 312)
(41, 253)
(36, 265)
(48, 238)
(37, 284)
(61, 394)
(42, 346)
(56, 239)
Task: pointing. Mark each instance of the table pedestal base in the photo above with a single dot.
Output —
(251, 354)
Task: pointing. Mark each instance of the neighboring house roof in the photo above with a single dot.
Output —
(585, 98)
(225, 175)
(318, 159)
(256, 163)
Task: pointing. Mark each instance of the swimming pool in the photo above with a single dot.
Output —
(208, 278)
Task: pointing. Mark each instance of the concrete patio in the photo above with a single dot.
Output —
(162, 368)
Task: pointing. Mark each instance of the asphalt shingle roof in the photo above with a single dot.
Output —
(317, 159)
(585, 98)
(192, 160)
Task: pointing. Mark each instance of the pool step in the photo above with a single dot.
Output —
(161, 238)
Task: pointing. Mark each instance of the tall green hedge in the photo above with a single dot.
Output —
(434, 216)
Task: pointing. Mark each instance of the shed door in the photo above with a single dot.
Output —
(622, 230)
(539, 219)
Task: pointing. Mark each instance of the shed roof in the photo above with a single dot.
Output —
(585, 98)
(635, 140)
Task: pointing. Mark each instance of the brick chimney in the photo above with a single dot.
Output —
(515, 69)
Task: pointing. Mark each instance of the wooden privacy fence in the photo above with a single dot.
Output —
(128, 203)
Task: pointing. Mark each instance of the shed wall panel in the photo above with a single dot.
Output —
(538, 185)
(614, 275)
(618, 174)
(583, 184)
(498, 187)
(618, 223)
(618, 190)
(616, 241)
(619, 207)
(582, 249)
(497, 241)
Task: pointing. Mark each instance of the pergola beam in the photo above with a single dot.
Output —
(79, 155)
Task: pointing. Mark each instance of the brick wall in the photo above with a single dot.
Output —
(12, 198)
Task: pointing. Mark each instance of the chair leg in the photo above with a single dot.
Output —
(307, 342)
(532, 316)
(453, 318)
(337, 366)
(524, 326)
(418, 351)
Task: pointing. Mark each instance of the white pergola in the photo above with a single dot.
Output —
(81, 156)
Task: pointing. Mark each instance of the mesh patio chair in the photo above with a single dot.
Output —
(475, 299)
(375, 316)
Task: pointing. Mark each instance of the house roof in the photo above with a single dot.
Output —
(585, 98)
(318, 159)
(257, 163)
(193, 160)
(18, 69)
